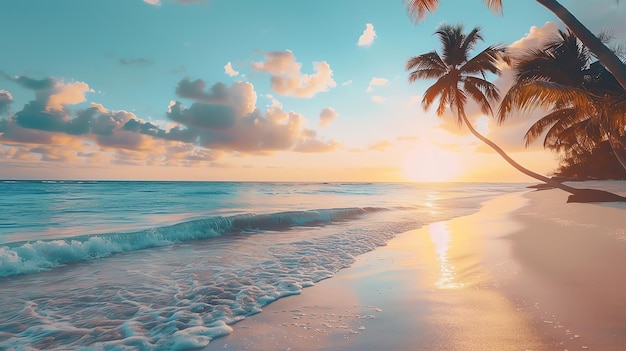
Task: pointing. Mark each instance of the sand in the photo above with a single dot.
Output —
(526, 272)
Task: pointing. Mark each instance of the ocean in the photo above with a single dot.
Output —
(114, 265)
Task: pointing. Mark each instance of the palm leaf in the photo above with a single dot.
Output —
(418, 8)
(481, 91)
(528, 95)
(486, 60)
(540, 126)
(427, 60)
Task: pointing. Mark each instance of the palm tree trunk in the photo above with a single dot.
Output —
(517, 166)
(578, 195)
(619, 149)
(595, 45)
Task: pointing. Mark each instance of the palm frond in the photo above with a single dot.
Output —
(481, 91)
(458, 101)
(444, 101)
(430, 61)
(528, 95)
(486, 60)
(479, 97)
(451, 39)
(470, 40)
(542, 124)
(417, 9)
(439, 88)
(494, 5)
(424, 74)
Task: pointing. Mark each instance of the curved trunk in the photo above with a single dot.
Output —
(517, 166)
(578, 195)
(619, 149)
(608, 58)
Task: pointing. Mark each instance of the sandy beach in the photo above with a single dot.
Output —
(526, 272)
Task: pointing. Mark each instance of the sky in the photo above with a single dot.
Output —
(243, 90)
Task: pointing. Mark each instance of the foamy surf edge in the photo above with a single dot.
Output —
(41, 255)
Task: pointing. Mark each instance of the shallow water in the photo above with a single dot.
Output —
(170, 265)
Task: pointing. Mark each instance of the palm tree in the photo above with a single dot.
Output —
(586, 105)
(458, 77)
(418, 9)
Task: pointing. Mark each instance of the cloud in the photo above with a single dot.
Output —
(346, 83)
(202, 115)
(380, 146)
(374, 82)
(327, 115)
(275, 102)
(153, 2)
(49, 111)
(220, 119)
(30, 83)
(6, 99)
(226, 118)
(53, 93)
(67, 94)
(228, 69)
(368, 36)
(316, 146)
(536, 37)
(378, 99)
(287, 78)
(240, 96)
(510, 134)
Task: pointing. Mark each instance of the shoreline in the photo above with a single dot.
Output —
(486, 281)
(573, 261)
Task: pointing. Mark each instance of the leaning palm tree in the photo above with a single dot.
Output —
(418, 9)
(458, 77)
(586, 107)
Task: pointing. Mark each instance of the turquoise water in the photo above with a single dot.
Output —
(171, 265)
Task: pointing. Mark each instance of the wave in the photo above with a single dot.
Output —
(41, 255)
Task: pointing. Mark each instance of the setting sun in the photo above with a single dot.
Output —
(431, 163)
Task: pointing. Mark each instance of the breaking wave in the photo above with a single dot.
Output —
(40, 255)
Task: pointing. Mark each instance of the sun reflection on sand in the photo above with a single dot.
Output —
(440, 236)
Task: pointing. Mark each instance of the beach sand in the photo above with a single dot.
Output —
(526, 272)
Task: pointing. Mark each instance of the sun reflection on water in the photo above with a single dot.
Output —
(440, 236)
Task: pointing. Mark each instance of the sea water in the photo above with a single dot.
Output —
(113, 265)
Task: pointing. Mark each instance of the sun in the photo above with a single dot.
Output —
(430, 163)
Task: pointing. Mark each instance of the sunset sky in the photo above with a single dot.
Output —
(250, 90)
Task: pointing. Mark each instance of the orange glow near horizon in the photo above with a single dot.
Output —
(431, 163)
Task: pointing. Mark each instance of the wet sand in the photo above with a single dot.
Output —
(526, 272)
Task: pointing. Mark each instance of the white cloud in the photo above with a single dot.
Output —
(327, 115)
(346, 83)
(68, 94)
(367, 38)
(275, 102)
(378, 99)
(376, 82)
(287, 78)
(228, 69)
(536, 37)
(153, 2)
(6, 99)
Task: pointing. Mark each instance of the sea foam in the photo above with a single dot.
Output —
(36, 256)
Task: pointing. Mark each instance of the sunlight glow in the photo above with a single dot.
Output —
(440, 236)
(431, 163)
(482, 125)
